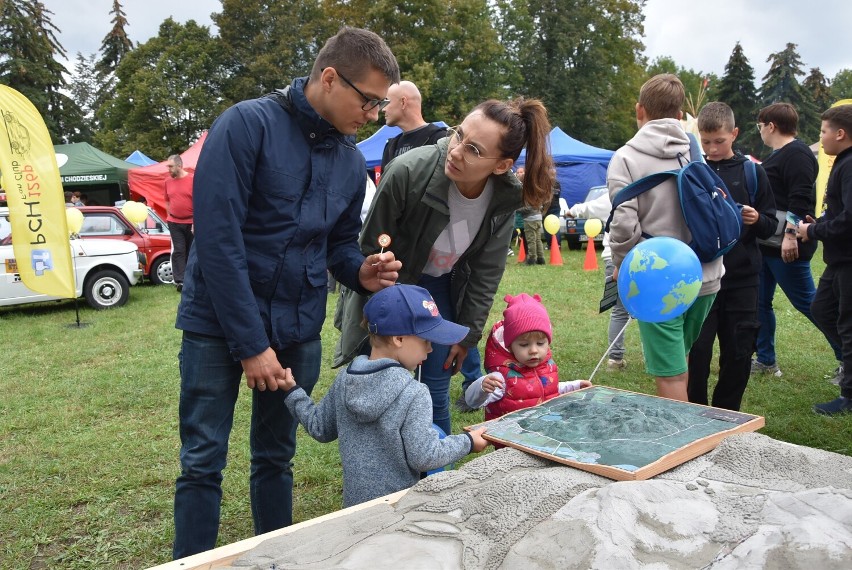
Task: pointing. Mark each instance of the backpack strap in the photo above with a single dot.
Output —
(636, 188)
(750, 179)
(695, 154)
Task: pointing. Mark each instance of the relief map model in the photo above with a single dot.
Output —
(615, 428)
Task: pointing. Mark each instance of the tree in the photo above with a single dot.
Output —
(780, 85)
(28, 52)
(817, 88)
(841, 85)
(83, 88)
(268, 43)
(584, 60)
(699, 86)
(456, 62)
(169, 90)
(736, 88)
(114, 47)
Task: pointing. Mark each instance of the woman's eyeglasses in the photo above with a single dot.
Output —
(469, 152)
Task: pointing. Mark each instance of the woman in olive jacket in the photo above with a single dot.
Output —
(449, 211)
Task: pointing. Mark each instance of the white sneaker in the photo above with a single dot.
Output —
(614, 365)
(510, 253)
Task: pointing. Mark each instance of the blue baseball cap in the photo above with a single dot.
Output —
(410, 310)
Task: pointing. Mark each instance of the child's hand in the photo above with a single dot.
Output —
(491, 382)
(479, 442)
(750, 215)
(286, 383)
(585, 384)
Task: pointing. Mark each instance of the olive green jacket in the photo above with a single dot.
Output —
(411, 206)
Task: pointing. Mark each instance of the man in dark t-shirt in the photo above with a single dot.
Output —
(404, 111)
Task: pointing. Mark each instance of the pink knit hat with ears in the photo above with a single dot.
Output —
(525, 314)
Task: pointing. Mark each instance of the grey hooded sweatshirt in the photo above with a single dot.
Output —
(382, 418)
(655, 148)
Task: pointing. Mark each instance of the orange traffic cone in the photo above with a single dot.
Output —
(522, 253)
(555, 254)
(591, 262)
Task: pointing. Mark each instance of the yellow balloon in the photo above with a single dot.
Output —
(135, 212)
(551, 224)
(74, 219)
(593, 227)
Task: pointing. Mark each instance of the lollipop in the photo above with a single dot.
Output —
(384, 241)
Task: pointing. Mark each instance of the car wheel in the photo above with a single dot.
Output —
(106, 289)
(161, 271)
(574, 244)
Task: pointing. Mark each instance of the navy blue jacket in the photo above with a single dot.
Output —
(276, 200)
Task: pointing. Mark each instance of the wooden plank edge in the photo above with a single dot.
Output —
(225, 555)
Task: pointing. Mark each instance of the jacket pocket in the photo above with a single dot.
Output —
(263, 273)
(277, 184)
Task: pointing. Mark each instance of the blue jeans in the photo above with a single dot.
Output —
(433, 373)
(471, 369)
(797, 282)
(210, 384)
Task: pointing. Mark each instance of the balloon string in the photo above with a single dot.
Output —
(606, 352)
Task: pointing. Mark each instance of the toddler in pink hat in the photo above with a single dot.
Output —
(520, 366)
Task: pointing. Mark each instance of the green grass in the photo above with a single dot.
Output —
(88, 417)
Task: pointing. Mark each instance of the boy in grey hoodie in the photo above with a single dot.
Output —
(661, 144)
(380, 414)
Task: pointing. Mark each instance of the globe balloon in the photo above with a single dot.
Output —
(593, 227)
(74, 219)
(551, 224)
(659, 279)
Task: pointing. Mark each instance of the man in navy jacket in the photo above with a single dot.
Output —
(277, 195)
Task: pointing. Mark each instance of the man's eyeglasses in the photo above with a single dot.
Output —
(760, 126)
(469, 152)
(369, 103)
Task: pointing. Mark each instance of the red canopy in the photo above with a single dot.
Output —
(149, 181)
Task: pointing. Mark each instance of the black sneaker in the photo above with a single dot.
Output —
(841, 405)
(179, 287)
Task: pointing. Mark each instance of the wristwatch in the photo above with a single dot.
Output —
(791, 231)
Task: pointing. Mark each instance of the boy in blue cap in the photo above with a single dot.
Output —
(380, 414)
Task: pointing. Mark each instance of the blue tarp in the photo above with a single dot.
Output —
(373, 147)
(579, 166)
(138, 158)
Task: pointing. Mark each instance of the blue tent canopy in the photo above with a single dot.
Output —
(579, 166)
(373, 147)
(138, 158)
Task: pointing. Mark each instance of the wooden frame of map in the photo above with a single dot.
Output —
(623, 435)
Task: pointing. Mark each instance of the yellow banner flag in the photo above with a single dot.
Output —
(825, 163)
(36, 201)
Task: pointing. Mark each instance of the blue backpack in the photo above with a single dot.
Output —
(711, 214)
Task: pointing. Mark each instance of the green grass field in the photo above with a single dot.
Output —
(88, 416)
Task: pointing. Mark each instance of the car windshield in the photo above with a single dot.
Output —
(155, 224)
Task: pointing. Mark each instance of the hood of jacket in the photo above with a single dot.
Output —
(661, 139)
(370, 387)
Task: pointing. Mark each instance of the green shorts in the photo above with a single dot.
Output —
(666, 345)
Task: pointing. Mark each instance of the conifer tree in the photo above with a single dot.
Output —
(816, 86)
(28, 51)
(780, 85)
(736, 88)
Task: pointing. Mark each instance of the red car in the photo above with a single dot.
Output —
(151, 237)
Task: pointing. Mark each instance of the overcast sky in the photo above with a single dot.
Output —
(698, 35)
